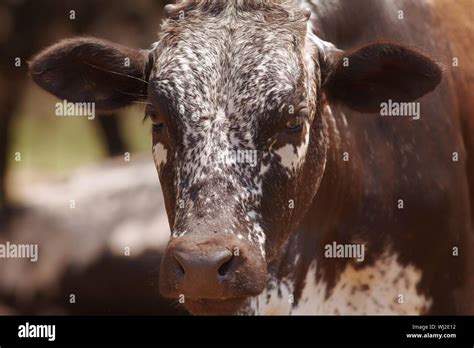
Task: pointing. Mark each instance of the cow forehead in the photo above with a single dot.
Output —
(248, 66)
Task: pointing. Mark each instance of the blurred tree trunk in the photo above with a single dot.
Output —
(109, 125)
(9, 102)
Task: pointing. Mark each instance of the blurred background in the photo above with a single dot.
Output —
(85, 191)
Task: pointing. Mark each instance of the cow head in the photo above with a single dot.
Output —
(235, 92)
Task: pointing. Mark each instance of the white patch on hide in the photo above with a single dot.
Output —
(371, 290)
(159, 155)
(291, 157)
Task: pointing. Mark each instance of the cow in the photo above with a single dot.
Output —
(313, 156)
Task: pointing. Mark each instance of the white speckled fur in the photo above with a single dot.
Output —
(370, 290)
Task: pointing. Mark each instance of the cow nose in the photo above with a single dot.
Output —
(201, 272)
(211, 268)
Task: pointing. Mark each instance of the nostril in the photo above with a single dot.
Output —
(202, 267)
(225, 267)
(180, 270)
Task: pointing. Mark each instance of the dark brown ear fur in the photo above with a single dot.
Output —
(378, 72)
(92, 70)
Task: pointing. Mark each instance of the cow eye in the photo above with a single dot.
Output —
(158, 127)
(156, 121)
(295, 124)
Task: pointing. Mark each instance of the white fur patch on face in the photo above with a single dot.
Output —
(384, 288)
(292, 157)
(159, 155)
(259, 237)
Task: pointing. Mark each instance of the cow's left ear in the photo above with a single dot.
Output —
(363, 78)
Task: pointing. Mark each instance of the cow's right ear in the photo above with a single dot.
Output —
(93, 70)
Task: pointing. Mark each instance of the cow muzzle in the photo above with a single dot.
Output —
(209, 272)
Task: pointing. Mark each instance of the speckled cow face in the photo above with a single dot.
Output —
(232, 90)
(232, 97)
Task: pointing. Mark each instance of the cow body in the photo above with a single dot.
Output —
(410, 248)
(345, 210)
